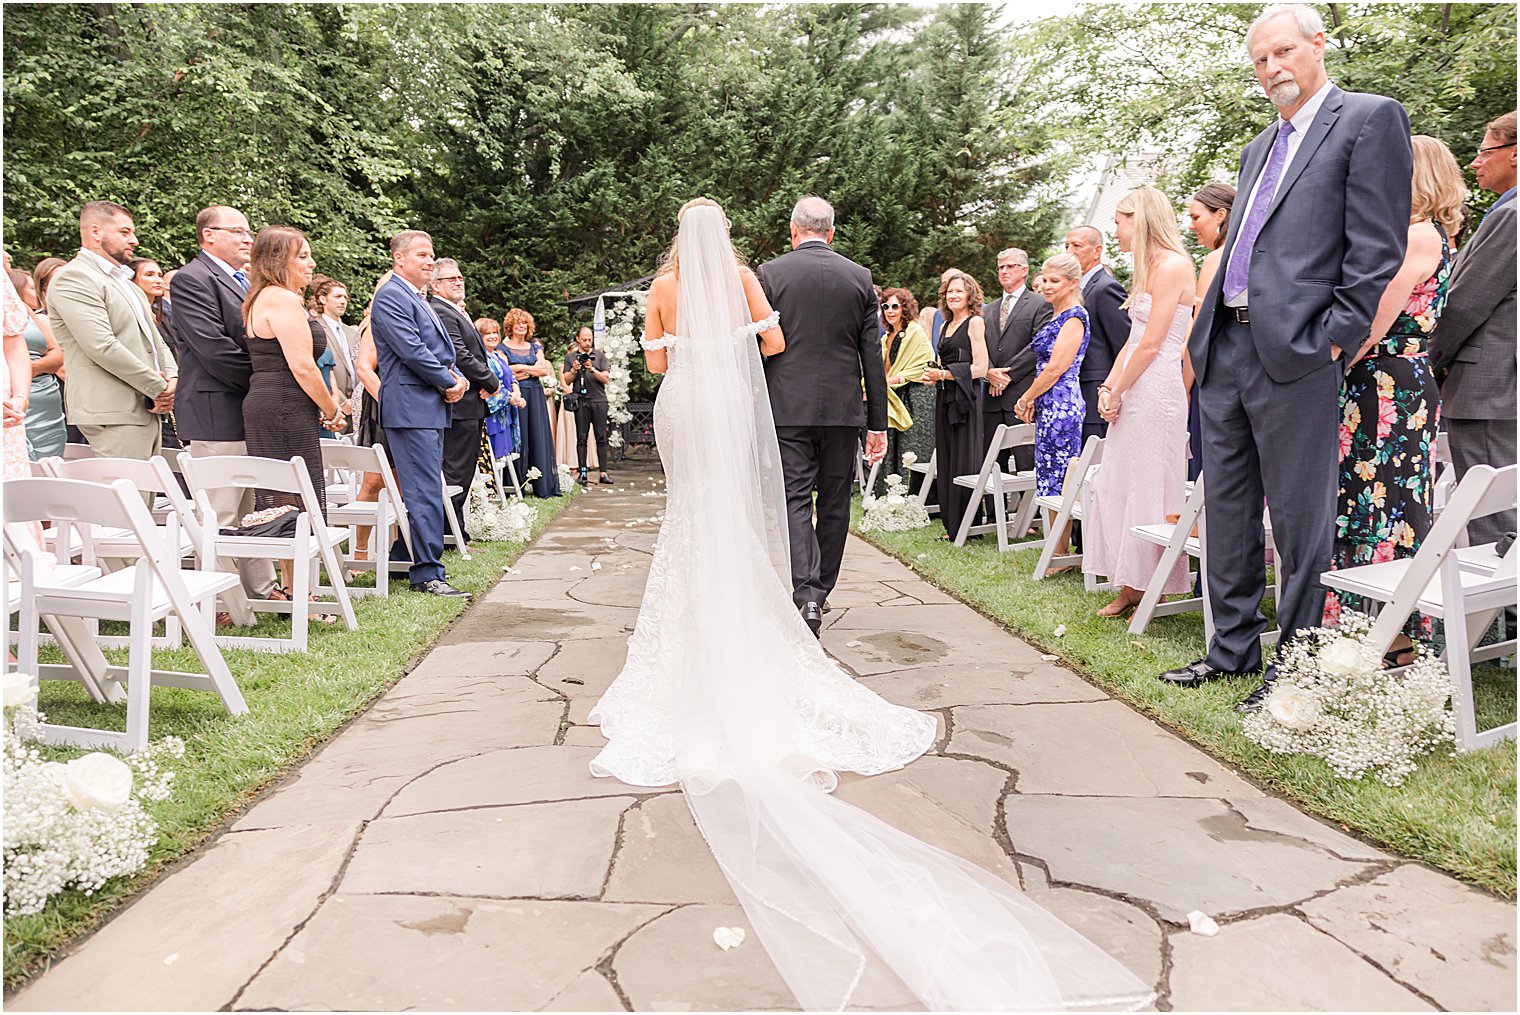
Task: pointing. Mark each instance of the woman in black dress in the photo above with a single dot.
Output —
(526, 358)
(286, 393)
(957, 412)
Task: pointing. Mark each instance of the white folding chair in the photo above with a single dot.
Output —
(1069, 506)
(1446, 479)
(503, 468)
(72, 635)
(926, 486)
(993, 482)
(1175, 540)
(456, 533)
(1466, 588)
(313, 545)
(74, 452)
(385, 510)
(153, 589)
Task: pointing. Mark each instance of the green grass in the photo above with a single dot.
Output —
(1456, 812)
(295, 702)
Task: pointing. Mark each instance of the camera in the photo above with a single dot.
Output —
(585, 359)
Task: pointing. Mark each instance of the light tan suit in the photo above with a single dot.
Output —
(115, 359)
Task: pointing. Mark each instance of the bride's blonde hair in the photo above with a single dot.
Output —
(670, 264)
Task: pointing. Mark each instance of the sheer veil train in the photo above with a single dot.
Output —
(727, 692)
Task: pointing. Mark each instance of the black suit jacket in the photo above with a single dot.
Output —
(469, 360)
(833, 341)
(1104, 298)
(212, 347)
(1334, 237)
(1010, 347)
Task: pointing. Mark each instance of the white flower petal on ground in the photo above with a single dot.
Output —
(728, 937)
(97, 780)
(595, 566)
(1060, 631)
(1050, 657)
(852, 644)
(1202, 924)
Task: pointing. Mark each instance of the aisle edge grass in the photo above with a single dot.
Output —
(296, 702)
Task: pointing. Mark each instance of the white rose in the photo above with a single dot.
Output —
(1343, 657)
(895, 500)
(1292, 708)
(908, 458)
(18, 689)
(97, 780)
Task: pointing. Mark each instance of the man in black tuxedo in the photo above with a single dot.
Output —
(1319, 229)
(1104, 298)
(214, 368)
(461, 441)
(828, 310)
(1011, 321)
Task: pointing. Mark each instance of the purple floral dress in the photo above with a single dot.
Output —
(1390, 412)
(1059, 412)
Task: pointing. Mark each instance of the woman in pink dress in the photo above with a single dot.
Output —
(1145, 455)
(15, 381)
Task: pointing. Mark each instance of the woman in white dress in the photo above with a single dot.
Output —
(1144, 469)
(726, 692)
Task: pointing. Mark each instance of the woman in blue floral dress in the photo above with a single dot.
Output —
(1391, 404)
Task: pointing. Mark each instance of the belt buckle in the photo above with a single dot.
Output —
(1242, 314)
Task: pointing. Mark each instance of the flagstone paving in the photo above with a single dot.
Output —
(449, 849)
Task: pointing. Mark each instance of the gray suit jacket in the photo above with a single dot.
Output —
(1474, 341)
(1334, 237)
(1010, 347)
(107, 353)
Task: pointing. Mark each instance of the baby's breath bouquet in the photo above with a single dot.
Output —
(490, 521)
(1334, 700)
(895, 511)
(74, 824)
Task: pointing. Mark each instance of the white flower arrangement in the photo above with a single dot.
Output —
(566, 475)
(1334, 700)
(620, 340)
(76, 824)
(491, 522)
(532, 474)
(894, 512)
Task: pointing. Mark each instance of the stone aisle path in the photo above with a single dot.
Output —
(449, 850)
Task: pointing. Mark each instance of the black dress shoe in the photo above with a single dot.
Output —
(1254, 701)
(813, 617)
(1196, 673)
(606, 480)
(438, 587)
(826, 607)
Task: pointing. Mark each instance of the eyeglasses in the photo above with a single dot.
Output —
(234, 230)
(891, 306)
(448, 278)
(1483, 152)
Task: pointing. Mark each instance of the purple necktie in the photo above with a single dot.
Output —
(1239, 272)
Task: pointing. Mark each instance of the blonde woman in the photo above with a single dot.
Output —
(1390, 403)
(1145, 405)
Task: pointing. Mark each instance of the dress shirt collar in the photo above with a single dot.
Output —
(1013, 297)
(119, 272)
(812, 240)
(1304, 118)
(229, 269)
(333, 324)
(422, 295)
(1087, 276)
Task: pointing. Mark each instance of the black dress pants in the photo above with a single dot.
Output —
(591, 416)
(820, 458)
(461, 457)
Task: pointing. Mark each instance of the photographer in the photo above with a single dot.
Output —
(585, 375)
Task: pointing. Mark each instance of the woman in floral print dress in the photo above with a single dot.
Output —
(1390, 404)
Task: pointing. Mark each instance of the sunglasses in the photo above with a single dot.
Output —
(891, 306)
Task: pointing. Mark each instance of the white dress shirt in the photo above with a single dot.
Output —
(1088, 275)
(230, 271)
(122, 275)
(1302, 121)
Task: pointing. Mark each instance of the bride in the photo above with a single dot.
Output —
(726, 692)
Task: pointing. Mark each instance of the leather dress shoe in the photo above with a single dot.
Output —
(1254, 701)
(813, 617)
(826, 607)
(438, 587)
(1196, 673)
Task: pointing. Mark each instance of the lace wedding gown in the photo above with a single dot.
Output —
(727, 692)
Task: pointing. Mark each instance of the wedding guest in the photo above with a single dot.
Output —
(910, 406)
(502, 431)
(1390, 402)
(1323, 231)
(1053, 400)
(329, 299)
(461, 441)
(148, 276)
(526, 358)
(1209, 219)
(931, 318)
(45, 431)
(1103, 298)
(1473, 348)
(207, 297)
(585, 375)
(368, 432)
(957, 412)
(122, 376)
(418, 387)
(166, 312)
(1011, 321)
(43, 273)
(1142, 400)
(14, 389)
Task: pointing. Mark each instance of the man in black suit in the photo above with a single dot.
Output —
(828, 310)
(1319, 230)
(461, 441)
(214, 368)
(1011, 321)
(1104, 298)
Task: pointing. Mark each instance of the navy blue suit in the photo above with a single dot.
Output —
(1268, 389)
(212, 348)
(416, 357)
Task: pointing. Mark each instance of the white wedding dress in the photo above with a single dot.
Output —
(727, 692)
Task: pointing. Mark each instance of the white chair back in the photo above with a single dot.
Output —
(74, 452)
